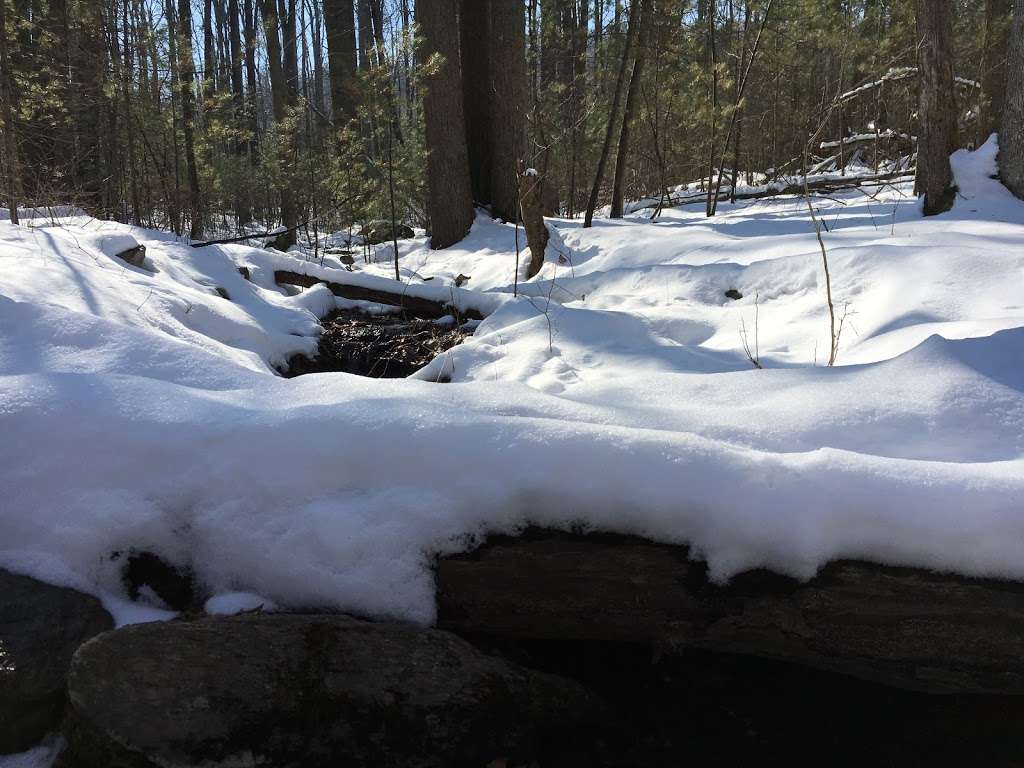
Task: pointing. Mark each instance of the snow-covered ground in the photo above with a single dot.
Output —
(140, 408)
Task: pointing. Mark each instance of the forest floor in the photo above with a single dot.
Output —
(140, 407)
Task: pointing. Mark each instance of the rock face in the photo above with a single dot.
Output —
(310, 691)
(41, 626)
(904, 627)
(135, 256)
(379, 231)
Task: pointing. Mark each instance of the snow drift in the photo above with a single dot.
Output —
(140, 409)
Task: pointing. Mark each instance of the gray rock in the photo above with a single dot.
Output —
(379, 231)
(306, 690)
(135, 256)
(41, 626)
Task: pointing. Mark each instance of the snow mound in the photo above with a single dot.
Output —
(612, 392)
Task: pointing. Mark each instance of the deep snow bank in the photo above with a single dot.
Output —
(139, 410)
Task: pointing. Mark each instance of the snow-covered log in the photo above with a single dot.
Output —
(417, 306)
(894, 75)
(793, 185)
(905, 627)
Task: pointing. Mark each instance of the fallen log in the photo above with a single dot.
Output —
(796, 188)
(251, 236)
(905, 627)
(414, 306)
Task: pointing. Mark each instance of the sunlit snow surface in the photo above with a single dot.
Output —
(139, 408)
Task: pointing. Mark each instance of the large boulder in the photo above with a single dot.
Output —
(306, 690)
(904, 627)
(41, 626)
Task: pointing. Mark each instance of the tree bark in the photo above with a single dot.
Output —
(209, 58)
(365, 34)
(186, 72)
(906, 627)
(937, 106)
(449, 195)
(612, 118)
(10, 145)
(508, 107)
(279, 101)
(339, 17)
(531, 186)
(290, 52)
(475, 30)
(633, 94)
(993, 69)
(1011, 137)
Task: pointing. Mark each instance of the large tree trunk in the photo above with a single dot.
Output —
(508, 109)
(937, 106)
(613, 117)
(993, 69)
(238, 100)
(449, 196)
(186, 72)
(619, 183)
(906, 627)
(290, 54)
(475, 25)
(279, 102)
(10, 145)
(365, 34)
(340, 19)
(1011, 137)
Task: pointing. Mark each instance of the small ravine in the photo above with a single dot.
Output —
(386, 346)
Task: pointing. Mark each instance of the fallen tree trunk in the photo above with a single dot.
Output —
(252, 236)
(414, 306)
(796, 188)
(905, 627)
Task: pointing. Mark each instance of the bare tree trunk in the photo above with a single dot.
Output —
(186, 73)
(279, 100)
(993, 66)
(377, 18)
(209, 57)
(531, 185)
(365, 33)
(508, 109)
(290, 54)
(318, 55)
(937, 107)
(1011, 137)
(475, 26)
(340, 19)
(613, 117)
(618, 185)
(449, 196)
(12, 166)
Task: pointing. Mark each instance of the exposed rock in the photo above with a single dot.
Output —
(904, 627)
(135, 256)
(40, 628)
(379, 231)
(310, 691)
(733, 294)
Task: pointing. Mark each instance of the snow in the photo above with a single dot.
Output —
(230, 603)
(141, 409)
(42, 756)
